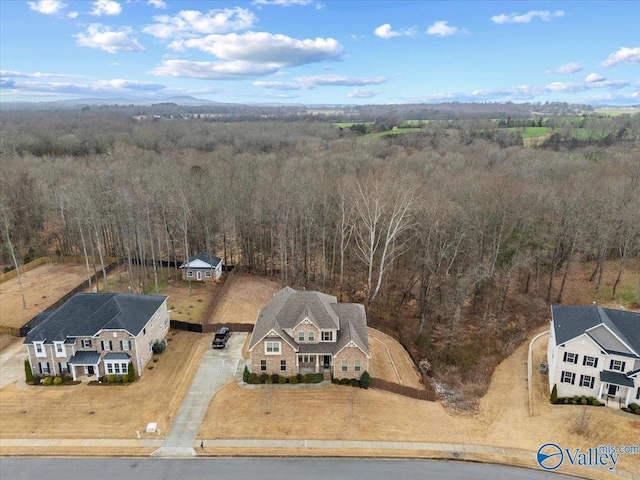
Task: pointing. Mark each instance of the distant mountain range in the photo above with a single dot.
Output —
(79, 102)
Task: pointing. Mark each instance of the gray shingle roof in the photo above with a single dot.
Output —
(204, 257)
(288, 307)
(616, 378)
(85, 314)
(572, 321)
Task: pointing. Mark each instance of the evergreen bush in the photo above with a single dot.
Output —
(57, 381)
(245, 374)
(28, 373)
(47, 381)
(131, 373)
(554, 394)
(293, 380)
(365, 380)
(158, 347)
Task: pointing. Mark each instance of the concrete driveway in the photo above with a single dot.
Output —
(12, 363)
(217, 369)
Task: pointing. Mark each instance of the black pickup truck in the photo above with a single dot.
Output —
(221, 337)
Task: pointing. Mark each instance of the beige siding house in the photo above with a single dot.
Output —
(595, 351)
(97, 334)
(202, 267)
(310, 332)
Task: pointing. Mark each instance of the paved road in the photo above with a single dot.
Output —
(263, 469)
(217, 369)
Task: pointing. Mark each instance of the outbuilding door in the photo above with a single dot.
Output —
(199, 276)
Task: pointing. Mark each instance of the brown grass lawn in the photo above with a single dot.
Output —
(245, 297)
(185, 305)
(383, 359)
(353, 414)
(85, 411)
(43, 286)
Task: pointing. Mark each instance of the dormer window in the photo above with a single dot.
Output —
(327, 336)
(39, 348)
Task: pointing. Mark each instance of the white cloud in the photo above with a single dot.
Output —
(363, 93)
(157, 3)
(443, 29)
(306, 83)
(623, 55)
(266, 48)
(97, 88)
(105, 7)
(385, 31)
(213, 70)
(190, 23)
(545, 15)
(594, 77)
(47, 7)
(571, 67)
(16, 74)
(102, 37)
(283, 3)
(72, 14)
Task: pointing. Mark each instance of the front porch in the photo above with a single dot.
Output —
(85, 363)
(314, 364)
(616, 389)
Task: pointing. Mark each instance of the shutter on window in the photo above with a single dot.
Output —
(102, 344)
(591, 383)
(595, 363)
(623, 364)
(40, 366)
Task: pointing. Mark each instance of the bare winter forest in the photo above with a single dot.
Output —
(454, 234)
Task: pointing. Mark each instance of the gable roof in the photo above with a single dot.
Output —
(85, 314)
(202, 260)
(570, 322)
(288, 307)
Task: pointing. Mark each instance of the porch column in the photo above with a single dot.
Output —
(73, 372)
(600, 392)
(317, 369)
(628, 400)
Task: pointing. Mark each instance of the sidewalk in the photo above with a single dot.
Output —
(249, 447)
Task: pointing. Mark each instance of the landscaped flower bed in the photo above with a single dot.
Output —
(578, 400)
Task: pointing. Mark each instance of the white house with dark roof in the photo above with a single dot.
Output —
(303, 331)
(202, 267)
(595, 351)
(97, 334)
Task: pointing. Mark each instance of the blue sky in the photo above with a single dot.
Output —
(322, 52)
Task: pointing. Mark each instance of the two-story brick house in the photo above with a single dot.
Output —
(97, 334)
(310, 332)
(595, 351)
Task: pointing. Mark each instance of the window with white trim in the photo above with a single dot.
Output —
(344, 366)
(39, 348)
(263, 365)
(117, 368)
(106, 345)
(568, 377)
(272, 347)
(586, 381)
(64, 367)
(189, 274)
(60, 349)
(301, 336)
(207, 274)
(356, 366)
(617, 365)
(86, 343)
(306, 359)
(283, 365)
(311, 336)
(125, 345)
(327, 336)
(570, 357)
(590, 361)
(44, 368)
